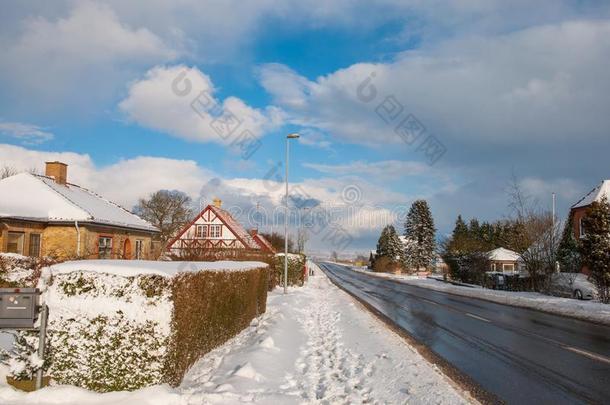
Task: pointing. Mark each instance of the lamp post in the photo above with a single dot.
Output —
(288, 138)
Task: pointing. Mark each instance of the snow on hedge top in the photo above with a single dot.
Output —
(603, 189)
(128, 268)
(503, 255)
(35, 197)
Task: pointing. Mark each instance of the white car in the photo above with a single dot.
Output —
(576, 285)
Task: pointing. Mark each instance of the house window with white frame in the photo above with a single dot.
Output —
(104, 250)
(201, 231)
(581, 228)
(34, 244)
(139, 249)
(508, 267)
(215, 231)
(15, 242)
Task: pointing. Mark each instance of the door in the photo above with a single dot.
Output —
(127, 249)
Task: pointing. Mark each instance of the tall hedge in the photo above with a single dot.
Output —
(296, 267)
(202, 321)
(109, 332)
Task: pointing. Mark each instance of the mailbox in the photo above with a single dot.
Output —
(19, 307)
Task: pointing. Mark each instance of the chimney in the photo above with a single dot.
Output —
(217, 202)
(57, 170)
(253, 232)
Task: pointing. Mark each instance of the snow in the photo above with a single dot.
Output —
(40, 198)
(129, 268)
(314, 345)
(503, 255)
(603, 189)
(592, 311)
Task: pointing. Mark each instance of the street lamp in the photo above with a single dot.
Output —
(288, 138)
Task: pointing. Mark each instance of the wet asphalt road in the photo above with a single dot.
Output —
(519, 355)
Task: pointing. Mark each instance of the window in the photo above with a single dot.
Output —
(139, 248)
(493, 267)
(215, 231)
(15, 242)
(35, 244)
(581, 228)
(201, 231)
(508, 267)
(105, 247)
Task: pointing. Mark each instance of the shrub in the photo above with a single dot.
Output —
(110, 332)
(201, 322)
(296, 266)
(384, 264)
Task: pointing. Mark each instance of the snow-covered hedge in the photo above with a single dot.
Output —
(124, 325)
(17, 270)
(296, 266)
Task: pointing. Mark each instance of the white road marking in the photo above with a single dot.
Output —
(477, 317)
(590, 355)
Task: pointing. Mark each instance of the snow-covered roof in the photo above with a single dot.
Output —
(40, 198)
(602, 189)
(503, 255)
(130, 268)
(235, 227)
(263, 242)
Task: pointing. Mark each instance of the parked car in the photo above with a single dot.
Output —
(576, 285)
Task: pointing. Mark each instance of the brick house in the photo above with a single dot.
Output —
(48, 216)
(214, 228)
(579, 209)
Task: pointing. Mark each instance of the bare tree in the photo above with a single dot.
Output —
(302, 238)
(167, 210)
(7, 171)
(537, 234)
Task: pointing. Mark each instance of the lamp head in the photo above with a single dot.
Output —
(293, 136)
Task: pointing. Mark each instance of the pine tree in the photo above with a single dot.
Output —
(395, 249)
(419, 231)
(595, 246)
(382, 243)
(568, 253)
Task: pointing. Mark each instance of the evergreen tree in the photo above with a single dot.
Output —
(568, 253)
(595, 246)
(474, 229)
(382, 243)
(419, 231)
(395, 249)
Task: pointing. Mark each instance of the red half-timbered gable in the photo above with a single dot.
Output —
(213, 228)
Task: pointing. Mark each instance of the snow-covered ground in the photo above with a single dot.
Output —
(129, 268)
(314, 345)
(593, 311)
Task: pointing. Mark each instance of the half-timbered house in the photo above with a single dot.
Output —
(214, 228)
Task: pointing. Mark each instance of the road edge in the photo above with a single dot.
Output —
(471, 390)
(486, 299)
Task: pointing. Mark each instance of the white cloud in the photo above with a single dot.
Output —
(130, 179)
(28, 133)
(548, 81)
(180, 101)
(77, 59)
(123, 182)
(384, 169)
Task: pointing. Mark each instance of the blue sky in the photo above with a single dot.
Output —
(504, 89)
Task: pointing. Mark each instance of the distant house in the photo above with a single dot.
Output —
(214, 228)
(504, 260)
(48, 216)
(579, 209)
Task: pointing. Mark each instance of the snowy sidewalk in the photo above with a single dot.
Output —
(314, 345)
